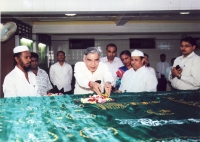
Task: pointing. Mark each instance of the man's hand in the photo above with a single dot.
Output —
(108, 88)
(118, 91)
(176, 73)
(96, 87)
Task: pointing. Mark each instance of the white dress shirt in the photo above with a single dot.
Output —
(141, 80)
(190, 76)
(43, 83)
(152, 70)
(84, 76)
(113, 66)
(61, 76)
(161, 68)
(16, 85)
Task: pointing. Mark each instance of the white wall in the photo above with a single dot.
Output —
(97, 5)
(165, 43)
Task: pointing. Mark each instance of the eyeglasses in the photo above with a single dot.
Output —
(187, 45)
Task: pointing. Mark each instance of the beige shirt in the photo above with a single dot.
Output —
(190, 76)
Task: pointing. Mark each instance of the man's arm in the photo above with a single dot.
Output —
(48, 83)
(71, 73)
(9, 88)
(79, 75)
(151, 84)
(51, 74)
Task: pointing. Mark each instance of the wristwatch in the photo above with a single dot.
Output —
(179, 77)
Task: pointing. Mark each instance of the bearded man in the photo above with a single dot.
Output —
(19, 82)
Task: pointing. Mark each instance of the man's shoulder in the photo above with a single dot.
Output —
(117, 59)
(103, 59)
(102, 64)
(54, 64)
(196, 56)
(130, 71)
(158, 63)
(80, 64)
(42, 71)
(12, 74)
(67, 64)
(166, 63)
(145, 70)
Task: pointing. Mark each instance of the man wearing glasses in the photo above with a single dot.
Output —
(185, 74)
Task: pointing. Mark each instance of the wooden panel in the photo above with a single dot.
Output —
(7, 63)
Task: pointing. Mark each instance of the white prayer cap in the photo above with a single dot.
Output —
(137, 53)
(18, 49)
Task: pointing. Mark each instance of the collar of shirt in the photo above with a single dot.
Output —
(138, 70)
(39, 70)
(20, 72)
(58, 64)
(189, 56)
(115, 60)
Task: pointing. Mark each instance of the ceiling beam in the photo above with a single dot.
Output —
(122, 20)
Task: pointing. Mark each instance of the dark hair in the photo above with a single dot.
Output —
(111, 44)
(126, 52)
(16, 55)
(189, 39)
(148, 65)
(146, 55)
(162, 55)
(60, 52)
(34, 55)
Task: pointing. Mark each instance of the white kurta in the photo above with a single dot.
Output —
(190, 76)
(114, 66)
(83, 76)
(152, 70)
(61, 76)
(16, 85)
(141, 80)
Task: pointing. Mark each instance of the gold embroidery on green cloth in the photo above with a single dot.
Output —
(112, 106)
(54, 135)
(191, 103)
(160, 112)
(70, 135)
(144, 103)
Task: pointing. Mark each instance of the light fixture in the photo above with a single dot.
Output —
(184, 12)
(70, 14)
(26, 40)
(41, 45)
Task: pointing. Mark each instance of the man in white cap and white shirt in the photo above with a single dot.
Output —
(138, 78)
(19, 82)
